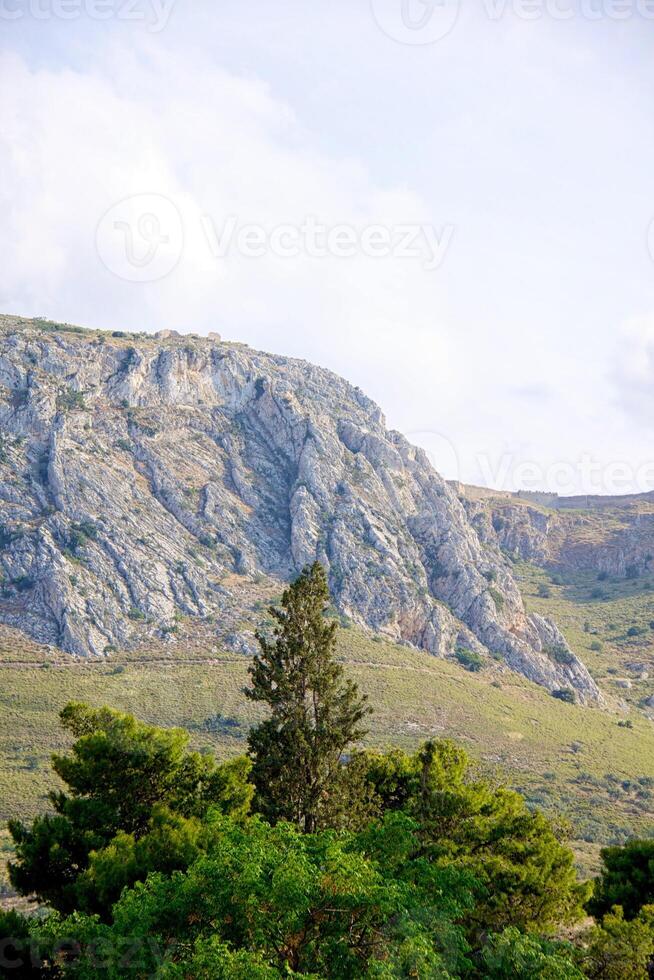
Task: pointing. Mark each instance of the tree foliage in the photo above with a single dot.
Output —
(292, 903)
(118, 771)
(627, 879)
(512, 955)
(619, 949)
(525, 873)
(373, 865)
(315, 711)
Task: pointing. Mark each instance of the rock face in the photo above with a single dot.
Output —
(142, 478)
(614, 535)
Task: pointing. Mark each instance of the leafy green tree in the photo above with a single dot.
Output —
(619, 949)
(392, 778)
(280, 902)
(118, 770)
(427, 935)
(315, 712)
(215, 960)
(627, 879)
(525, 873)
(512, 955)
(172, 843)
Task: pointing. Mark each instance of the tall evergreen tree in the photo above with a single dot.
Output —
(315, 712)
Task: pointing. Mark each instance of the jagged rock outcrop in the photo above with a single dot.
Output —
(140, 478)
(614, 535)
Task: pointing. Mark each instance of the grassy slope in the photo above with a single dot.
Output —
(581, 763)
(558, 754)
(590, 621)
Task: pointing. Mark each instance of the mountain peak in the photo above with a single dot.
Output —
(148, 477)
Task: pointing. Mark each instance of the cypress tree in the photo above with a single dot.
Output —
(315, 711)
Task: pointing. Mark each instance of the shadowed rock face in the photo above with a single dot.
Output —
(140, 478)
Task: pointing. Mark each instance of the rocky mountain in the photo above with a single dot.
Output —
(610, 535)
(145, 478)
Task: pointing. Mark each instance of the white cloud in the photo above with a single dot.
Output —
(531, 139)
(214, 145)
(634, 368)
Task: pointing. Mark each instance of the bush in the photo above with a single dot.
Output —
(219, 724)
(559, 653)
(497, 598)
(23, 583)
(69, 400)
(564, 694)
(469, 659)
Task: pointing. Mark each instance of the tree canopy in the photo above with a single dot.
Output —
(310, 857)
(126, 780)
(315, 711)
(627, 879)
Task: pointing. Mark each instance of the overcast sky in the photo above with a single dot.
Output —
(451, 208)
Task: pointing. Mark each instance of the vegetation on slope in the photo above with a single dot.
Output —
(565, 758)
(608, 621)
(383, 865)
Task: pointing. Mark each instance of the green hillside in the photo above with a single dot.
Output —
(579, 762)
(609, 623)
(593, 766)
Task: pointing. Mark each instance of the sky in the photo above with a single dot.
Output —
(449, 205)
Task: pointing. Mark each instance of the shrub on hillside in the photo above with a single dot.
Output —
(564, 694)
(469, 659)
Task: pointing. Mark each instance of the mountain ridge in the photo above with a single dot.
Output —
(140, 472)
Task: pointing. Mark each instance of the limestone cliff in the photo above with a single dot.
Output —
(143, 477)
(610, 534)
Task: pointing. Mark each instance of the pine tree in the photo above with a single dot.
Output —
(315, 712)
